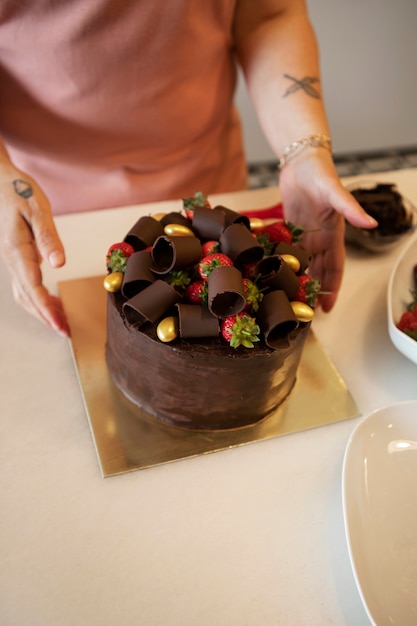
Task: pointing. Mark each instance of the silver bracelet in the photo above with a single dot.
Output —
(315, 141)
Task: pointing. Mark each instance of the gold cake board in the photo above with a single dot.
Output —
(128, 439)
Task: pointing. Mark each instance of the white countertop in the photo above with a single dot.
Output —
(252, 535)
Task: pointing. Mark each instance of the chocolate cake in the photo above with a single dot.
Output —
(224, 358)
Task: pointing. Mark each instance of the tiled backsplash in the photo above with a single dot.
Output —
(265, 174)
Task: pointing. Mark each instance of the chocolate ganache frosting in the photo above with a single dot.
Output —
(192, 376)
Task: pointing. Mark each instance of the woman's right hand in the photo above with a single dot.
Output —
(28, 236)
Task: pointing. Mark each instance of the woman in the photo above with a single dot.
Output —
(113, 103)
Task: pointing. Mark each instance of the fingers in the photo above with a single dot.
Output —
(345, 204)
(44, 231)
(42, 305)
(328, 256)
(28, 235)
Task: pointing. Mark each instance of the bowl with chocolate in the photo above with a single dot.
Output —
(395, 214)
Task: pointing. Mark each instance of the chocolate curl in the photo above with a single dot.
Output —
(239, 244)
(226, 292)
(138, 273)
(175, 218)
(197, 321)
(286, 248)
(144, 232)
(175, 253)
(150, 304)
(208, 224)
(232, 217)
(276, 318)
(274, 274)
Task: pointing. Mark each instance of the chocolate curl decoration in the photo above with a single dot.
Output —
(175, 253)
(239, 244)
(286, 248)
(226, 293)
(233, 217)
(150, 304)
(138, 273)
(274, 274)
(276, 318)
(196, 321)
(208, 224)
(175, 218)
(144, 232)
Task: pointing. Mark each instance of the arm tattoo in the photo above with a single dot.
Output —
(22, 188)
(306, 84)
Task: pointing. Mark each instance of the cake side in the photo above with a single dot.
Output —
(199, 385)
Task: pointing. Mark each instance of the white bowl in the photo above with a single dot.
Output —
(379, 487)
(399, 296)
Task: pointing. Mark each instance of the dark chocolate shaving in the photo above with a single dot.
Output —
(384, 203)
(276, 318)
(287, 248)
(232, 217)
(208, 224)
(150, 304)
(274, 274)
(175, 218)
(144, 232)
(196, 321)
(238, 243)
(226, 293)
(138, 273)
(169, 253)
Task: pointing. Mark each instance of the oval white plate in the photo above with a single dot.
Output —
(399, 296)
(379, 488)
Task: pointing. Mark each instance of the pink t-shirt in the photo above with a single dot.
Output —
(109, 103)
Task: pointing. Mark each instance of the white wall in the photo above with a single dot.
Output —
(369, 76)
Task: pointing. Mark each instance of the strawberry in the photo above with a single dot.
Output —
(253, 295)
(264, 240)
(197, 200)
(197, 292)
(408, 323)
(208, 247)
(117, 255)
(249, 270)
(277, 231)
(179, 279)
(240, 330)
(308, 290)
(210, 262)
(281, 230)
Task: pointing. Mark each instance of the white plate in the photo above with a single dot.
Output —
(380, 512)
(399, 296)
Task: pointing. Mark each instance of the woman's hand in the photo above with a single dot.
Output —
(28, 236)
(314, 198)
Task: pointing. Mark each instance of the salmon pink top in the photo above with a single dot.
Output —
(110, 103)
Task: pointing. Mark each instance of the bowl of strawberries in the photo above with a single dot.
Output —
(402, 301)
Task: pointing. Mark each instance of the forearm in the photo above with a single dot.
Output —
(279, 57)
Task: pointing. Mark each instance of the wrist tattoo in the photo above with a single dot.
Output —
(22, 188)
(305, 84)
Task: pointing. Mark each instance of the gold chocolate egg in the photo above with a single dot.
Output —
(167, 329)
(113, 282)
(256, 223)
(158, 216)
(178, 230)
(302, 311)
(292, 261)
